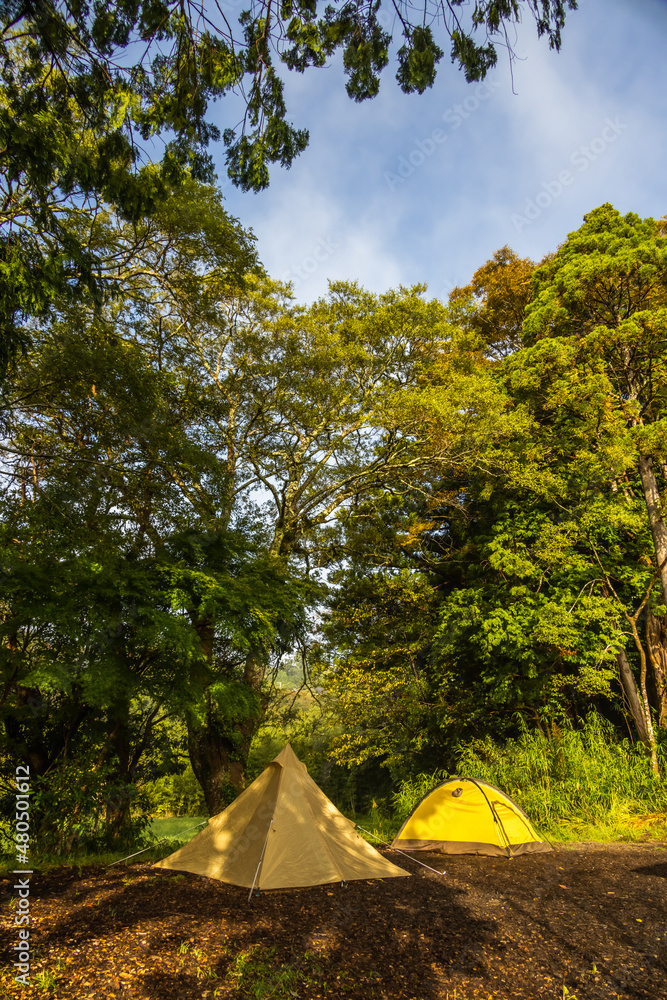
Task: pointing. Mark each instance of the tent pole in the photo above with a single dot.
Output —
(259, 863)
(408, 856)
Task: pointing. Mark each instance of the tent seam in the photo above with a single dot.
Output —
(271, 827)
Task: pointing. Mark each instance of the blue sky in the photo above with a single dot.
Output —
(410, 188)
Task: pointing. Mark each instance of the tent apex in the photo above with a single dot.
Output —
(287, 758)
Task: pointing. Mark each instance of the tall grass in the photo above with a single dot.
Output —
(375, 827)
(412, 790)
(573, 783)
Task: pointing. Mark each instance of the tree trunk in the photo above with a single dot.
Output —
(219, 744)
(255, 670)
(655, 518)
(631, 692)
(218, 759)
(642, 696)
(656, 628)
(117, 803)
(656, 641)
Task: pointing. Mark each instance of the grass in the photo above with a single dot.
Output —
(574, 784)
(176, 827)
(46, 980)
(375, 828)
(257, 974)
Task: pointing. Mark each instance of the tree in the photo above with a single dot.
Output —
(71, 62)
(492, 306)
(458, 612)
(593, 373)
(83, 86)
(104, 564)
(114, 582)
(380, 627)
(542, 547)
(585, 382)
(306, 399)
(184, 396)
(402, 551)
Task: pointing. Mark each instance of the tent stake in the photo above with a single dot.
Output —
(408, 856)
(261, 858)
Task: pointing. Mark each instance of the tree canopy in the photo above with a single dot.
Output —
(109, 105)
(527, 577)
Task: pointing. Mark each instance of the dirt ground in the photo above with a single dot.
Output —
(587, 922)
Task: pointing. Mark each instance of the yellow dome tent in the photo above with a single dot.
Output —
(466, 816)
(281, 832)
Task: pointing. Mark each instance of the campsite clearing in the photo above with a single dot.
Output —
(589, 917)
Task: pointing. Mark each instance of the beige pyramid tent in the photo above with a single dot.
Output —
(282, 831)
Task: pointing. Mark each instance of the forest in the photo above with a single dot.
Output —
(400, 507)
(411, 536)
(408, 535)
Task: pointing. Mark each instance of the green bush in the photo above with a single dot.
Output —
(175, 795)
(79, 804)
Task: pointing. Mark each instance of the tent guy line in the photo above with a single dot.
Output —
(408, 856)
(151, 846)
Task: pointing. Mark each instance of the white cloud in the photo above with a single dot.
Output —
(454, 204)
